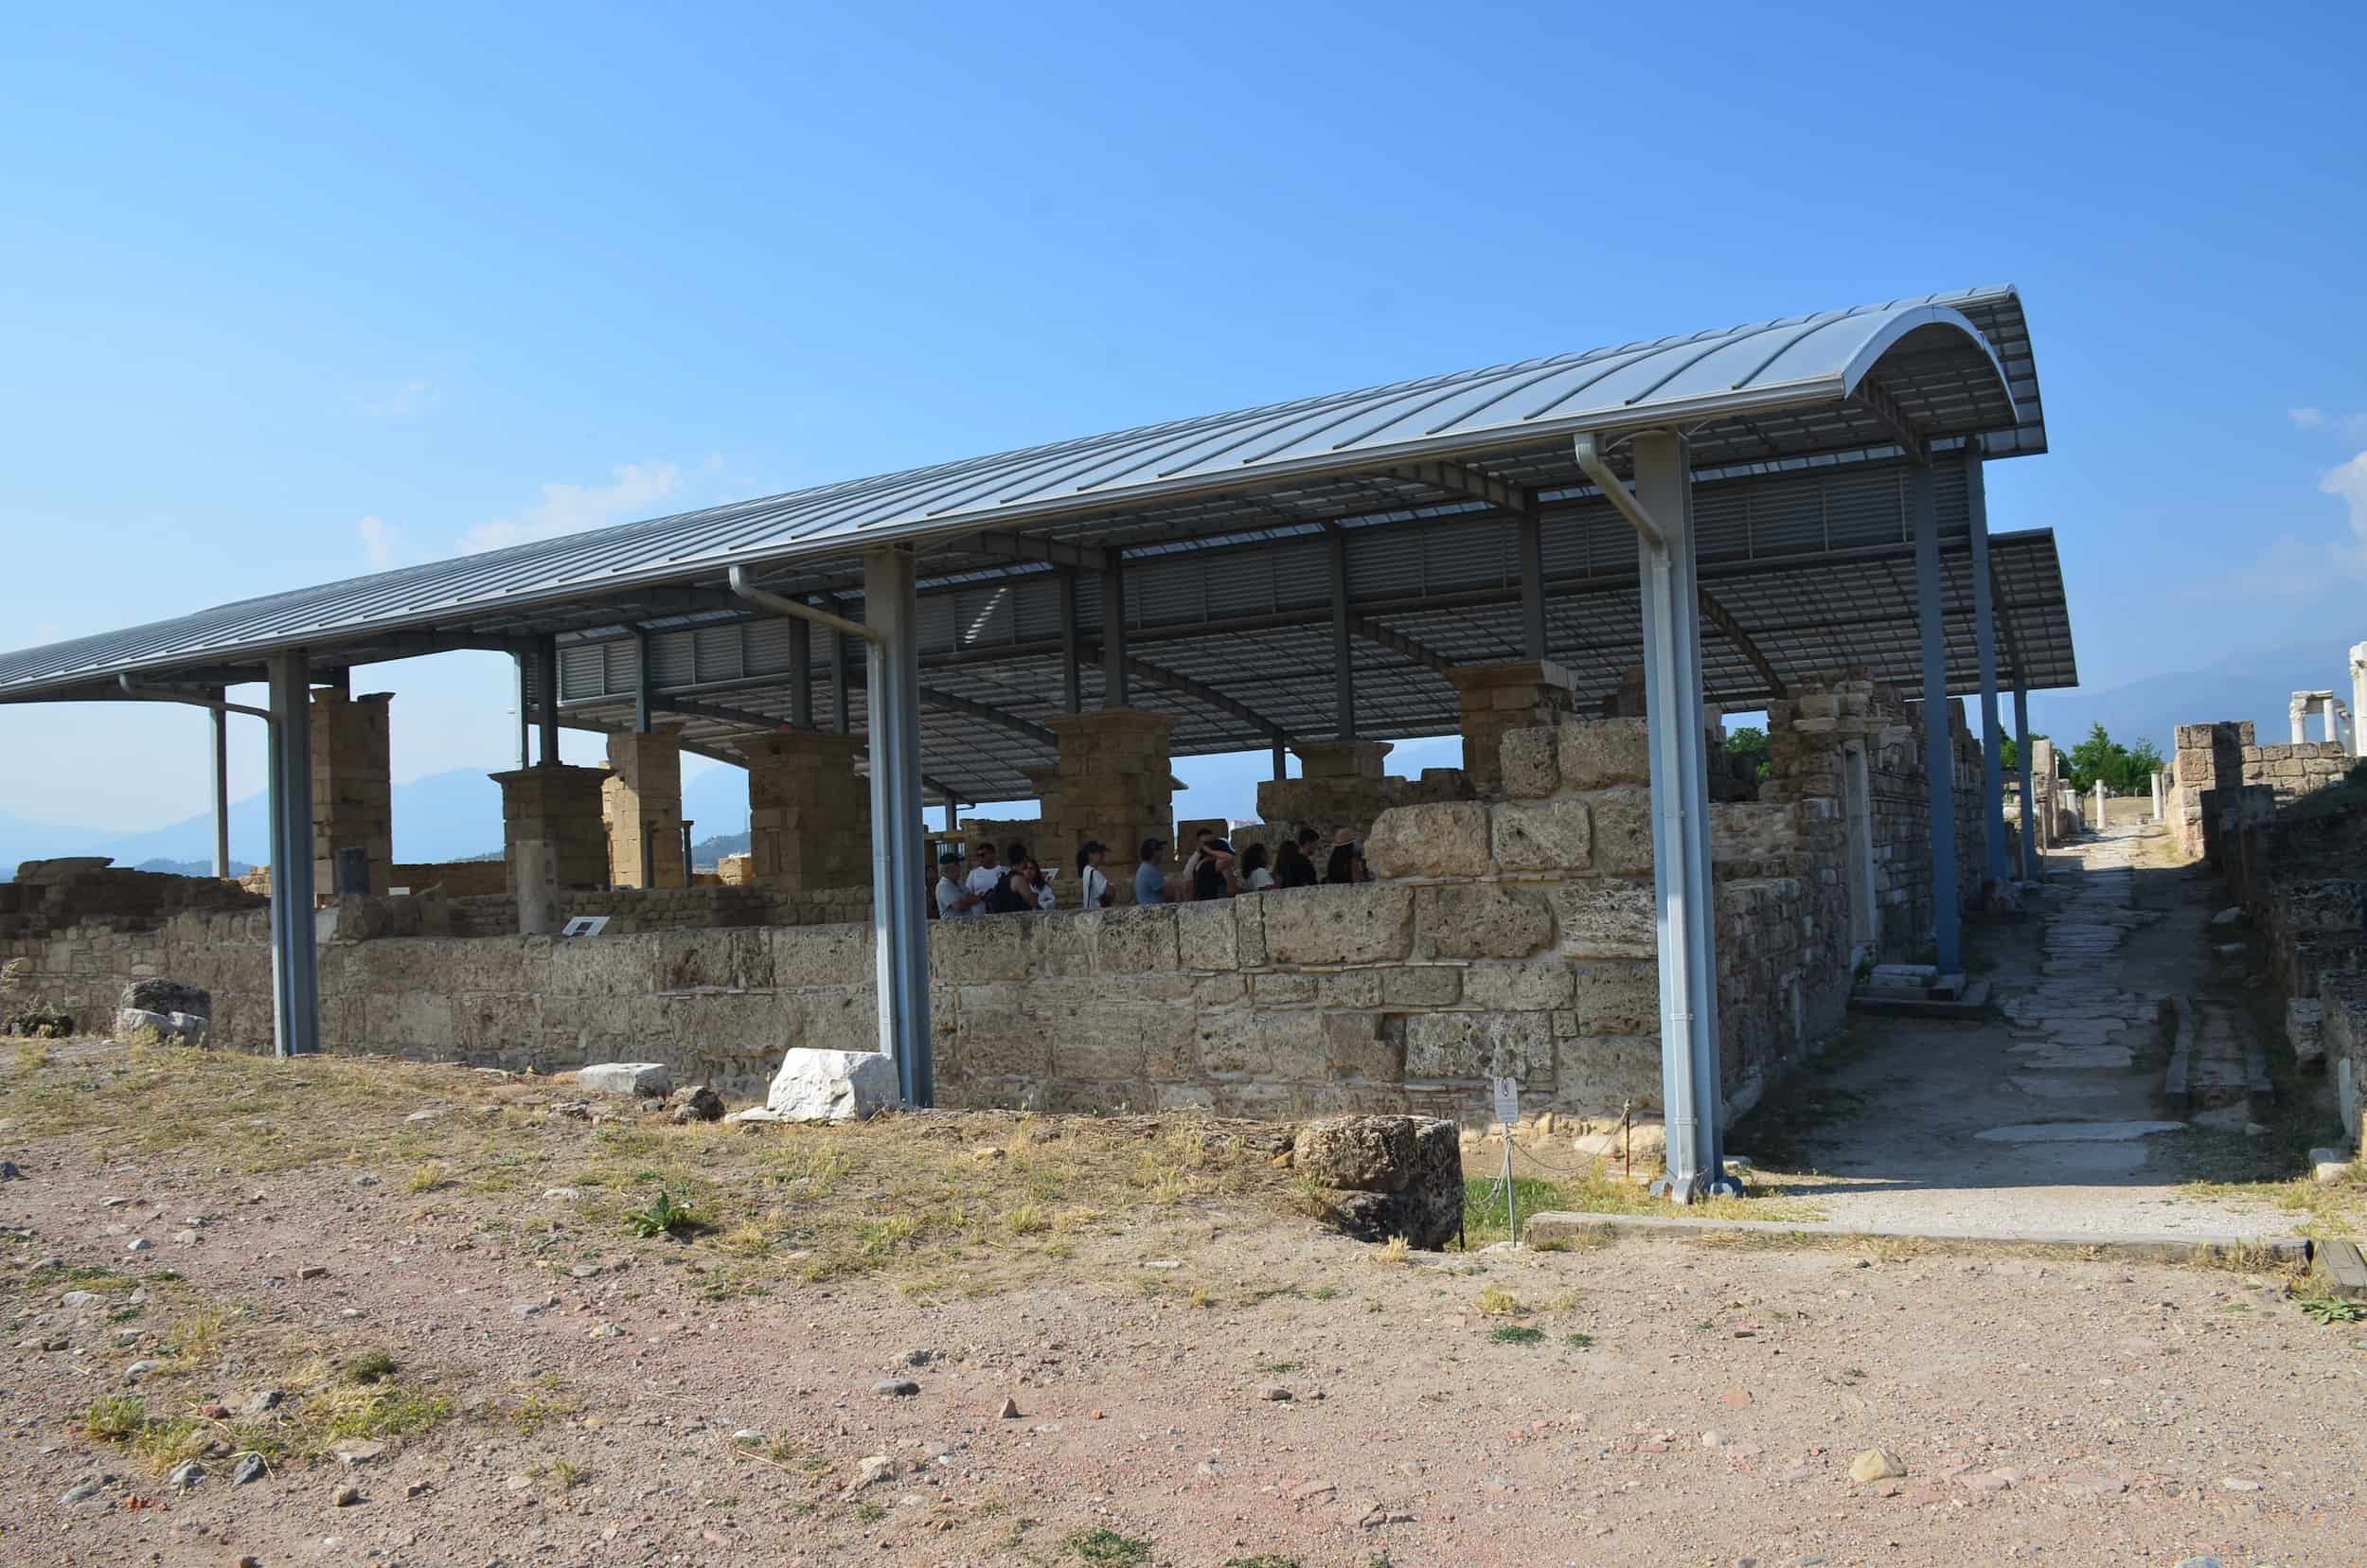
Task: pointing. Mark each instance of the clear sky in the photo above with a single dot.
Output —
(291, 293)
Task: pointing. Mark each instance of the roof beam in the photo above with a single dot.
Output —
(1731, 629)
(1399, 643)
(1201, 692)
(1085, 558)
(1462, 479)
(1871, 397)
(755, 721)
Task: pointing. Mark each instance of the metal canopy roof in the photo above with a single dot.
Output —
(1223, 525)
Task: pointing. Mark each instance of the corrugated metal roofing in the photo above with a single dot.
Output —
(1768, 397)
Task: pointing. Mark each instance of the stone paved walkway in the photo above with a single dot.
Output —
(2051, 1119)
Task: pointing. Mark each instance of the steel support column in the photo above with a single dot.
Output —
(1115, 692)
(838, 682)
(1343, 644)
(546, 698)
(1281, 760)
(222, 792)
(1985, 650)
(899, 915)
(1693, 1098)
(800, 672)
(644, 685)
(1529, 549)
(1071, 672)
(525, 704)
(294, 959)
(1939, 754)
(2021, 763)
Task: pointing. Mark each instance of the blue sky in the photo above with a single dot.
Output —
(293, 293)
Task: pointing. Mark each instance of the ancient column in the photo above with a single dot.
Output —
(642, 802)
(1499, 697)
(2358, 699)
(1115, 785)
(553, 838)
(809, 810)
(2297, 711)
(352, 814)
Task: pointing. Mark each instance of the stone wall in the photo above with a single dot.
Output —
(57, 894)
(1513, 936)
(459, 879)
(1808, 736)
(1343, 787)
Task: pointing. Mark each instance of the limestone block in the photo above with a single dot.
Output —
(1440, 839)
(1531, 758)
(2304, 1029)
(599, 966)
(1348, 989)
(977, 949)
(1473, 1045)
(1608, 920)
(825, 1085)
(488, 1026)
(1601, 751)
(1623, 831)
(1134, 939)
(1291, 1047)
(1553, 835)
(1282, 990)
(1421, 985)
(1618, 997)
(1538, 986)
(1598, 1073)
(1207, 934)
(829, 954)
(1427, 1209)
(731, 959)
(1248, 932)
(1358, 1153)
(1483, 921)
(1365, 924)
(159, 995)
(145, 1026)
(650, 1078)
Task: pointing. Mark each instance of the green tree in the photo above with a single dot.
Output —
(1750, 741)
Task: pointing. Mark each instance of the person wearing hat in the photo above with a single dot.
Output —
(954, 900)
(1090, 878)
(1150, 883)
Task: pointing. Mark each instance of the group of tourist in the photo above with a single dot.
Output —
(1008, 881)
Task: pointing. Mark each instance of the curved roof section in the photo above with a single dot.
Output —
(1796, 390)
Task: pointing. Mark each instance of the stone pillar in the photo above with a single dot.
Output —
(2297, 711)
(1496, 698)
(808, 811)
(2042, 782)
(1044, 780)
(2156, 794)
(1346, 759)
(554, 839)
(2100, 798)
(1114, 785)
(2358, 699)
(351, 786)
(642, 802)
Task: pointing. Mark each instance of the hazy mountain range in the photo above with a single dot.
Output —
(457, 814)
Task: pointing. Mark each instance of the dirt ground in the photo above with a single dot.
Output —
(460, 1305)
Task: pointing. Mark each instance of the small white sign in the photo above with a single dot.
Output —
(1507, 1100)
(584, 925)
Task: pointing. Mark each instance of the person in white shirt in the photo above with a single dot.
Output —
(1255, 876)
(982, 878)
(1042, 880)
(953, 901)
(1090, 877)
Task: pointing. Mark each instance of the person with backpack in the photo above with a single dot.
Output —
(1011, 893)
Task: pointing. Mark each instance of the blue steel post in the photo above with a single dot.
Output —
(891, 609)
(1681, 848)
(1985, 650)
(294, 973)
(1939, 754)
(222, 791)
(2021, 763)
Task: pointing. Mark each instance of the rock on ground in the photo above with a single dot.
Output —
(820, 1085)
(625, 1078)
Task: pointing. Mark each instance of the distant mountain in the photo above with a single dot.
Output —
(2255, 685)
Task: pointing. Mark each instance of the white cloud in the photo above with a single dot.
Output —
(568, 509)
(400, 404)
(2308, 419)
(378, 542)
(2349, 481)
(2349, 427)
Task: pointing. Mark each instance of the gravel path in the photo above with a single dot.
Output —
(1656, 1404)
(2051, 1120)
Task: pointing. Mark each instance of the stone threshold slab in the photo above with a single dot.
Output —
(1554, 1224)
(2096, 1131)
